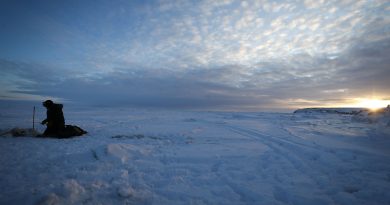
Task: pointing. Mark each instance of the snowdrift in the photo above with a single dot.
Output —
(19, 132)
(68, 132)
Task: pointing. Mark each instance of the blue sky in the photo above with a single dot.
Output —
(214, 55)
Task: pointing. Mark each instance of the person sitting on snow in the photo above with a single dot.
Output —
(54, 121)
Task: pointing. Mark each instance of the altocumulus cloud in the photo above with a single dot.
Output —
(222, 55)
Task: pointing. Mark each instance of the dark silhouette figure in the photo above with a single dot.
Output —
(54, 121)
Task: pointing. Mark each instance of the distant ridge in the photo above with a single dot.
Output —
(348, 111)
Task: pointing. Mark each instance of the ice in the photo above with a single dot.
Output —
(132, 156)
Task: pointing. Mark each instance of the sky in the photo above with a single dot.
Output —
(203, 54)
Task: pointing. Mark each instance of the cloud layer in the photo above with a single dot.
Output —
(222, 55)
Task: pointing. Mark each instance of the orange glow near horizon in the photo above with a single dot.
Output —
(371, 103)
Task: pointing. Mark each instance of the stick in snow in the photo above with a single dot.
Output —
(34, 119)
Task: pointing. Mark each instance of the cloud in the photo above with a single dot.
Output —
(218, 33)
(215, 55)
(158, 88)
(312, 4)
(301, 80)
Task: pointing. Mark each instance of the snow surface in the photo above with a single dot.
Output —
(170, 157)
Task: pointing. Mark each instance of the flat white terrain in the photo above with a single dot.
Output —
(169, 157)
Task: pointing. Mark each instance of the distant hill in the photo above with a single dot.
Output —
(350, 111)
(380, 116)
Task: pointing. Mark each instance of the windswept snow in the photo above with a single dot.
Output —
(167, 157)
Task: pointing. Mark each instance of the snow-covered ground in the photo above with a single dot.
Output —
(135, 156)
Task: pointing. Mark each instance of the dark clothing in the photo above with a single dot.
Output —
(52, 130)
(55, 120)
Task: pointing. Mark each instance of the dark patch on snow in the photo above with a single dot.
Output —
(351, 189)
(190, 120)
(134, 136)
(94, 154)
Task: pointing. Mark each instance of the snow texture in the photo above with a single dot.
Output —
(170, 157)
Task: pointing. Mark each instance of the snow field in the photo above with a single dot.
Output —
(166, 157)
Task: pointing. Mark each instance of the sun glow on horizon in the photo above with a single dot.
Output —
(371, 103)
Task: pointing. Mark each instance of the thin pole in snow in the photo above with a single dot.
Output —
(34, 119)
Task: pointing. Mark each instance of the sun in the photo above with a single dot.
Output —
(372, 104)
